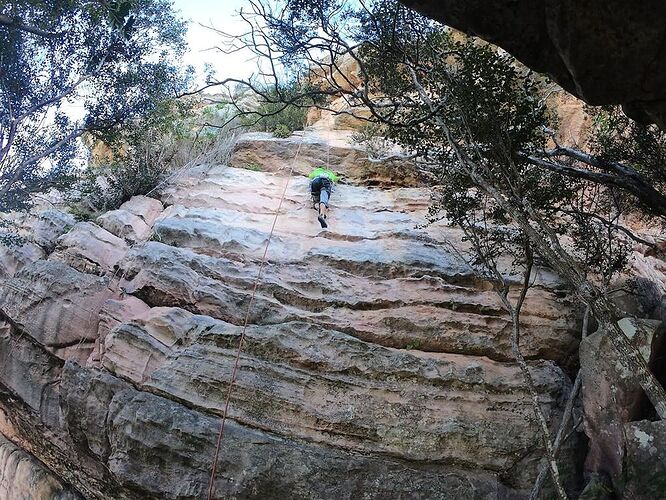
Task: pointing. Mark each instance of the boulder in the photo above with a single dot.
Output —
(55, 304)
(90, 249)
(112, 313)
(14, 257)
(49, 226)
(611, 396)
(638, 297)
(133, 220)
(144, 207)
(125, 225)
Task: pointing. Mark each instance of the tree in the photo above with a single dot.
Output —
(71, 67)
(478, 128)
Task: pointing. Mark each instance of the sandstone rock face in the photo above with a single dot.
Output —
(13, 258)
(133, 220)
(22, 477)
(261, 151)
(90, 248)
(603, 52)
(40, 232)
(49, 226)
(612, 399)
(375, 365)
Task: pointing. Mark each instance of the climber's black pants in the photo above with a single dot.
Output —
(321, 190)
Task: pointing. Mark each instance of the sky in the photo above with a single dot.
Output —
(220, 14)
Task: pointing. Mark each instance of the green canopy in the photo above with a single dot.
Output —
(323, 172)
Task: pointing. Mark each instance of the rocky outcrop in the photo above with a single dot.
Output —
(260, 151)
(21, 476)
(645, 460)
(376, 362)
(603, 52)
(133, 219)
(614, 404)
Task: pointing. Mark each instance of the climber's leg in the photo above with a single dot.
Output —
(324, 196)
(322, 215)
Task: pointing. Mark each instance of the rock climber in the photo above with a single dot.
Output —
(321, 185)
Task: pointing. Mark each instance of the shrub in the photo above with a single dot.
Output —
(141, 157)
(254, 167)
(271, 112)
(281, 130)
(372, 138)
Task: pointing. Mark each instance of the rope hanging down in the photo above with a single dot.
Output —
(257, 281)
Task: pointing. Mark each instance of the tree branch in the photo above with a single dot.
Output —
(13, 22)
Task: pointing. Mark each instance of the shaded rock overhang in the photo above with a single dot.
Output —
(602, 51)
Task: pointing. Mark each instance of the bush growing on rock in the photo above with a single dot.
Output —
(113, 60)
(138, 158)
(478, 127)
(282, 131)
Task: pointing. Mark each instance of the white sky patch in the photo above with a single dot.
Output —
(202, 41)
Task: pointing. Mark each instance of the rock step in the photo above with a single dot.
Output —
(373, 345)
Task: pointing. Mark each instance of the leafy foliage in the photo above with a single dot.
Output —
(70, 67)
(616, 138)
(372, 137)
(279, 110)
(136, 158)
(282, 131)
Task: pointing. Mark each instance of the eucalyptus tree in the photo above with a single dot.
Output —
(69, 67)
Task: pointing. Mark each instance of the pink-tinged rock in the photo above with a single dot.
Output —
(173, 326)
(24, 477)
(124, 224)
(15, 258)
(130, 352)
(112, 313)
(364, 294)
(49, 226)
(55, 304)
(319, 385)
(134, 349)
(142, 206)
(611, 396)
(90, 249)
(79, 353)
(376, 362)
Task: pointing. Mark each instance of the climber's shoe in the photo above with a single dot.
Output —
(322, 221)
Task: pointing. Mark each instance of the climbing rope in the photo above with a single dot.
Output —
(257, 281)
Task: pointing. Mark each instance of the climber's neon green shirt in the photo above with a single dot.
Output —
(323, 172)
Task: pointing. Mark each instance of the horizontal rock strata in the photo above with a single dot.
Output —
(376, 363)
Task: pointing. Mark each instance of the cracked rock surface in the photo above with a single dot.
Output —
(375, 365)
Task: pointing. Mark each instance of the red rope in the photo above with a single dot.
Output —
(245, 323)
